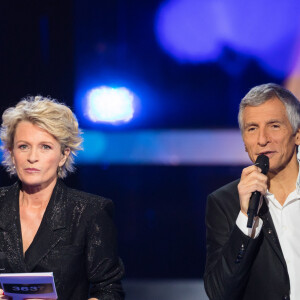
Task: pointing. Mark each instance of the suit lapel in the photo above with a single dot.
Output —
(52, 227)
(270, 232)
(10, 229)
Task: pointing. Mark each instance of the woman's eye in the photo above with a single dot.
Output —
(22, 147)
(46, 147)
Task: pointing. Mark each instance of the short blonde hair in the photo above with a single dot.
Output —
(50, 115)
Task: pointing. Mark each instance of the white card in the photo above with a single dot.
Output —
(21, 286)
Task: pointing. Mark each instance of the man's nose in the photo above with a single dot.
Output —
(263, 137)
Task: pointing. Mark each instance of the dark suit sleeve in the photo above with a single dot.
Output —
(230, 253)
(104, 267)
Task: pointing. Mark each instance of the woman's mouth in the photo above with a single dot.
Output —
(32, 170)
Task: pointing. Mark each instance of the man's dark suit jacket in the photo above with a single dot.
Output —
(76, 241)
(237, 266)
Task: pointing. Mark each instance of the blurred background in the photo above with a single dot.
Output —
(156, 87)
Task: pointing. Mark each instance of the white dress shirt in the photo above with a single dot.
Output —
(286, 219)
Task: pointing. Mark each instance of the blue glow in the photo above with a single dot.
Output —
(184, 29)
(110, 105)
(196, 31)
(94, 145)
(164, 147)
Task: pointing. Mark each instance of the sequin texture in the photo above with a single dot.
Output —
(76, 241)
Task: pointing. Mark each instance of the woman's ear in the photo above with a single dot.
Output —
(64, 156)
(12, 156)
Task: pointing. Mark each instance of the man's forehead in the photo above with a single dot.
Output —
(270, 111)
(271, 106)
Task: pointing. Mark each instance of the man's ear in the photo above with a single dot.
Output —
(297, 137)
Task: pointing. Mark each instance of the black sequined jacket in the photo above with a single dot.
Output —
(76, 241)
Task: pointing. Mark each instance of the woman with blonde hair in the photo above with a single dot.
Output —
(44, 225)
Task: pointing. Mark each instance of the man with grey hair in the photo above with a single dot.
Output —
(262, 262)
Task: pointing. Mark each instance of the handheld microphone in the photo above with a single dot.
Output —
(262, 162)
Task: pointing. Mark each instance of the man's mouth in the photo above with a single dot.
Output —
(266, 153)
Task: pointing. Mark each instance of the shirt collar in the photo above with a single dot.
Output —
(298, 178)
(270, 196)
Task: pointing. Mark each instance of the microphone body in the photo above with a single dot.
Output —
(262, 162)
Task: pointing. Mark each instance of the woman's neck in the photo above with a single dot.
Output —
(36, 196)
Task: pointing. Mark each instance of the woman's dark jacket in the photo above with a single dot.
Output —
(76, 241)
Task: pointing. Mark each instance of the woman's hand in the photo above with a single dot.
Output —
(2, 297)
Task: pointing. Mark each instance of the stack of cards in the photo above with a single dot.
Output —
(21, 286)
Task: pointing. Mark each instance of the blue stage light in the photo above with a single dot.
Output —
(94, 146)
(194, 31)
(184, 28)
(110, 105)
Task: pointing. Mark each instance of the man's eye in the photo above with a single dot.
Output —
(251, 128)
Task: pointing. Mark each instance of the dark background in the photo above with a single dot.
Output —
(58, 48)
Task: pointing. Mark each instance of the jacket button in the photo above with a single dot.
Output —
(270, 232)
(286, 297)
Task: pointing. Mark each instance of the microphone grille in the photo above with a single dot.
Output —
(262, 162)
